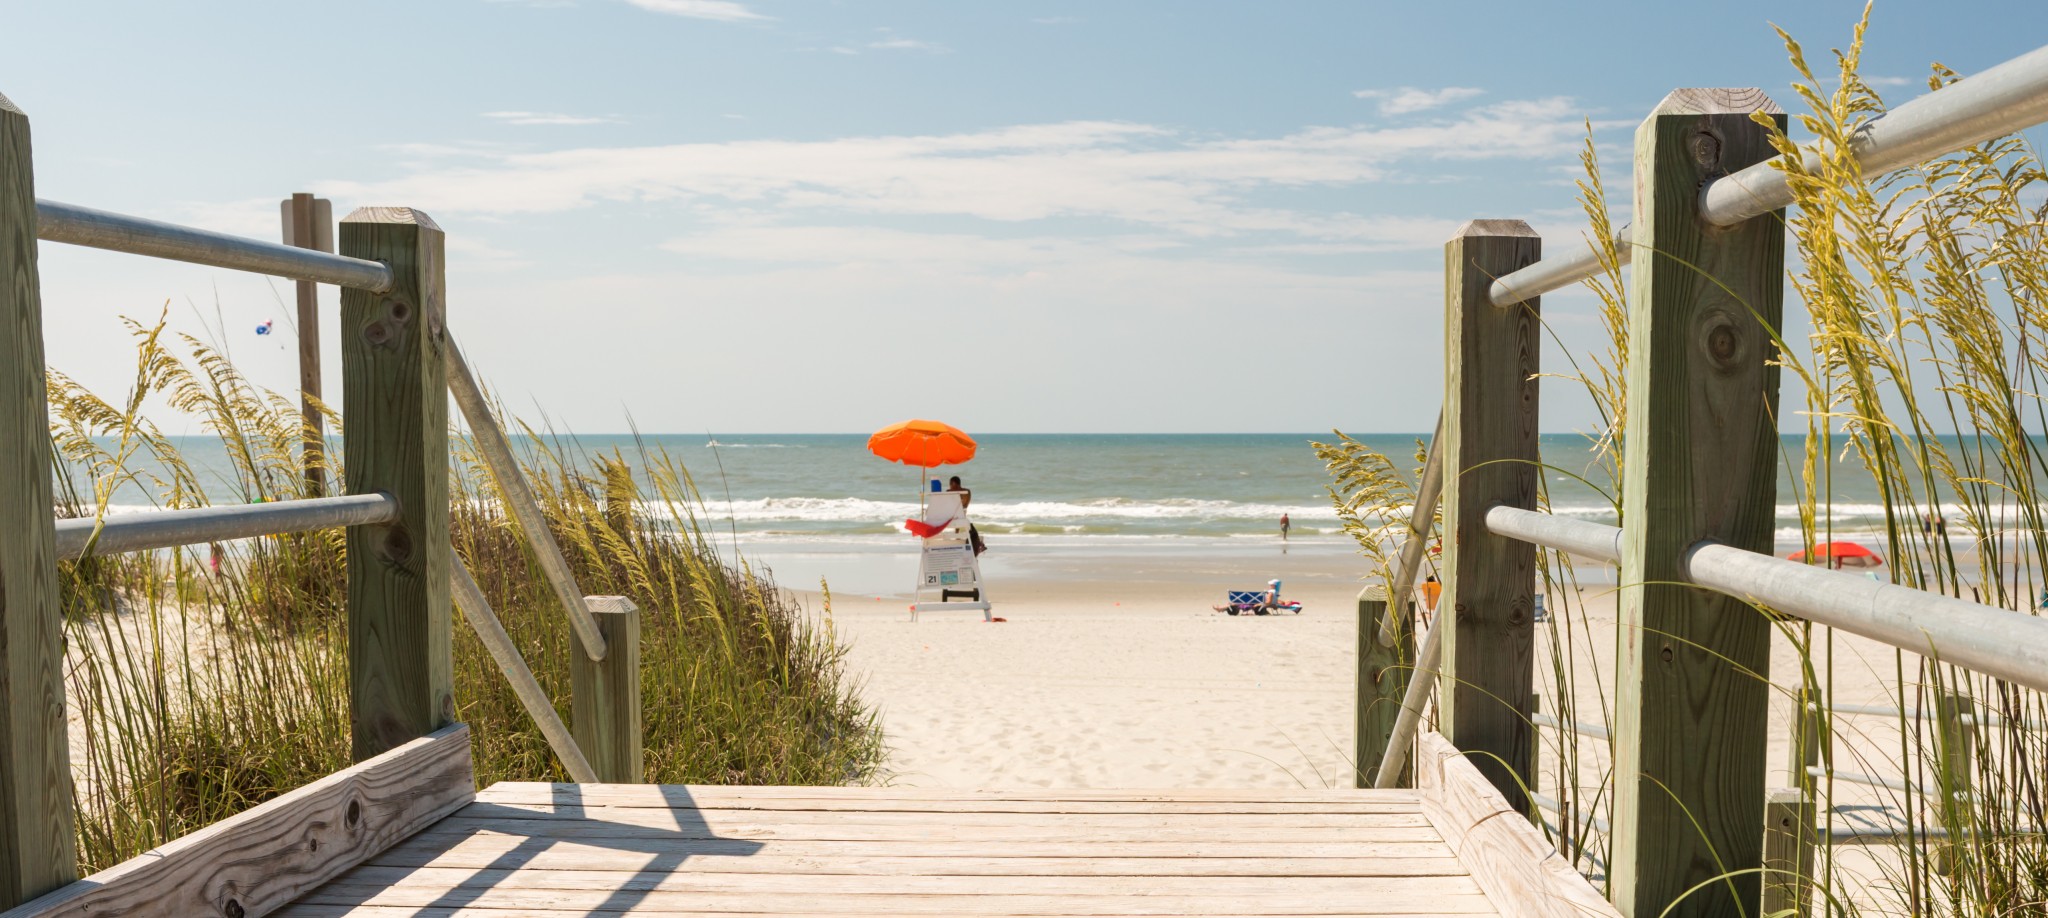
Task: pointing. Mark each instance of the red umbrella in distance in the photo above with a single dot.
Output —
(1839, 555)
(924, 444)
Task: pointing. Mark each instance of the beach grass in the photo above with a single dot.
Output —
(1927, 292)
(196, 693)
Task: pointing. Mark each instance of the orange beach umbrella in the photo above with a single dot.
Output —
(1839, 555)
(925, 444)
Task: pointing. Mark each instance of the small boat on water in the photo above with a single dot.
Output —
(714, 443)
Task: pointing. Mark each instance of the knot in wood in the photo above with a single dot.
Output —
(233, 909)
(1666, 653)
(354, 816)
(396, 548)
(1721, 341)
(399, 310)
(1706, 151)
(377, 333)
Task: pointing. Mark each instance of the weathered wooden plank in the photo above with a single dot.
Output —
(687, 794)
(1337, 889)
(1388, 902)
(722, 819)
(403, 911)
(1490, 459)
(37, 848)
(1506, 855)
(1383, 673)
(605, 694)
(395, 400)
(307, 224)
(937, 829)
(506, 853)
(260, 859)
(673, 797)
(446, 850)
(1692, 686)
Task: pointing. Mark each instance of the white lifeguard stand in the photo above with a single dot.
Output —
(947, 566)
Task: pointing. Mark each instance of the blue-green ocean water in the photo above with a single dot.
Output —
(1151, 486)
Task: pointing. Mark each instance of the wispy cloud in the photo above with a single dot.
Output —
(1408, 99)
(908, 44)
(714, 10)
(1136, 175)
(551, 118)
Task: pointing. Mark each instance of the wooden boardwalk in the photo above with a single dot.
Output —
(407, 833)
(602, 849)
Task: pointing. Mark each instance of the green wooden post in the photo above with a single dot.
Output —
(1957, 725)
(1490, 455)
(1789, 835)
(1383, 674)
(395, 440)
(604, 710)
(1701, 463)
(37, 844)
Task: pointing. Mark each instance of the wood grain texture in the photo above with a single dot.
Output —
(256, 861)
(1383, 674)
(37, 849)
(395, 398)
(1508, 857)
(1789, 839)
(305, 233)
(602, 849)
(604, 702)
(1700, 463)
(1490, 458)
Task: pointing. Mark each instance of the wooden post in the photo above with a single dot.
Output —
(395, 396)
(1955, 719)
(1789, 835)
(1383, 674)
(37, 845)
(604, 708)
(308, 224)
(1691, 694)
(1490, 455)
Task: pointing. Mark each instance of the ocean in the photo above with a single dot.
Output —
(1153, 487)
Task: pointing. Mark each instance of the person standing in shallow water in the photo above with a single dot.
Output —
(1284, 524)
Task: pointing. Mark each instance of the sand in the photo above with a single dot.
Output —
(1112, 672)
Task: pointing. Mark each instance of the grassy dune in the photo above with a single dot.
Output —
(196, 694)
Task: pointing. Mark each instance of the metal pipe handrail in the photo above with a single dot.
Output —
(2006, 98)
(125, 532)
(497, 453)
(1421, 681)
(99, 229)
(1556, 273)
(1987, 718)
(1996, 642)
(477, 611)
(1897, 784)
(1420, 521)
(1581, 728)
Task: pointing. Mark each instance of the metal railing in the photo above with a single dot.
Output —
(1996, 642)
(1998, 101)
(68, 223)
(126, 532)
(99, 229)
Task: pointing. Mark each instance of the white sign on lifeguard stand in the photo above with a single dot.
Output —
(947, 568)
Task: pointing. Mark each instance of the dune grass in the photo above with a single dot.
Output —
(1927, 294)
(197, 694)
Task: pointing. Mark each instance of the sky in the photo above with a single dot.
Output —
(738, 216)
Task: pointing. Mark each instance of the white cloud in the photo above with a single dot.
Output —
(1408, 99)
(1892, 81)
(714, 10)
(908, 44)
(550, 118)
(1137, 174)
